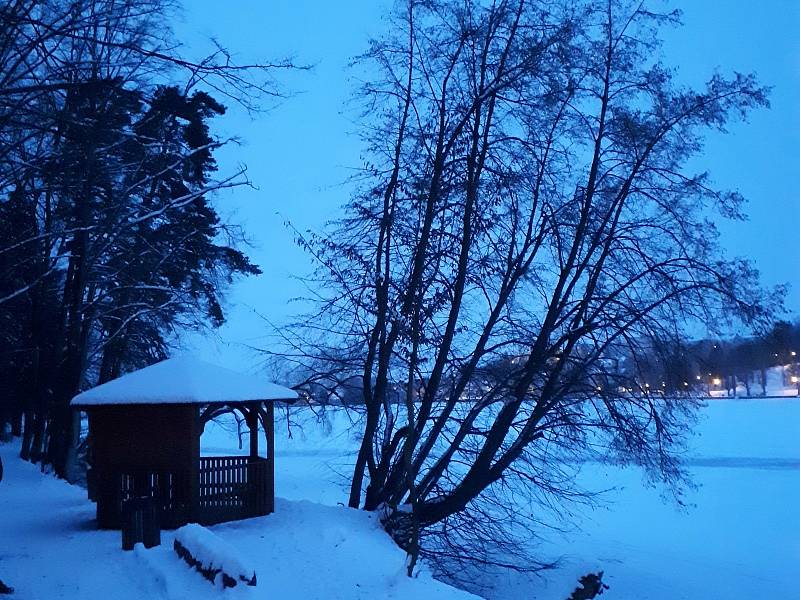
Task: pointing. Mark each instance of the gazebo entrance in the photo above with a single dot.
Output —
(145, 430)
(238, 487)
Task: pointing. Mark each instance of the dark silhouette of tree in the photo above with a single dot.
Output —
(527, 204)
(107, 175)
(178, 268)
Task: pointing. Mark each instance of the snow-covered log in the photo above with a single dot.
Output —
(212, 556)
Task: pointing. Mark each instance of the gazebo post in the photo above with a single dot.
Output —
(269, 427)
(194, 512)
(252, 423)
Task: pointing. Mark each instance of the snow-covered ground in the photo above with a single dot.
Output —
(50, 549)
(740, 538)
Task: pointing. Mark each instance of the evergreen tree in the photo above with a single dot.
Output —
(110, 242)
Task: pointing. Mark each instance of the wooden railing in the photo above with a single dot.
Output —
(233, 487)
(169, 487)
(228, 488)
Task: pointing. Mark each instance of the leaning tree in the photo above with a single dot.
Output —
(527, 221)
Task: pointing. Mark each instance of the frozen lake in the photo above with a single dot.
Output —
(739, 536)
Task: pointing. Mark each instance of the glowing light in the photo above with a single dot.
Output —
(716, 381)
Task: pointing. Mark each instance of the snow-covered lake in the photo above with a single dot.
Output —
(739, 536)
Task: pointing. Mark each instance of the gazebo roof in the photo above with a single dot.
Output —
(183, 380)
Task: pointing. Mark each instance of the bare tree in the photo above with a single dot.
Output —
(526, 219)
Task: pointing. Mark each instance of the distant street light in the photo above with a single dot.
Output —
(716, 381)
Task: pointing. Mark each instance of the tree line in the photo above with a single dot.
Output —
(722, 364)
(679, 367)
(109, 242)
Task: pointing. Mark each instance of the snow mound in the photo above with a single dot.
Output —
(213, 554)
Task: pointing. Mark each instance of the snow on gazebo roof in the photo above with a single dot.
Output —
(183, 380)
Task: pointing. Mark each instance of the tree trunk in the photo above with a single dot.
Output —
(27, 436)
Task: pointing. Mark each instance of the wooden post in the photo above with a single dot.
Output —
(252, 423)
(251, 416)
(194, 512)
(270, 432)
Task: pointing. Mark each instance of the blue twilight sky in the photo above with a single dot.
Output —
(300, 153)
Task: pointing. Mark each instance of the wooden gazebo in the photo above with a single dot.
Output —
(144, 436)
